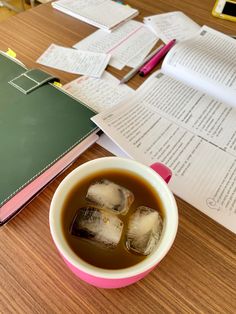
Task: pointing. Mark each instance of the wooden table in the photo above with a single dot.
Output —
(199, 273)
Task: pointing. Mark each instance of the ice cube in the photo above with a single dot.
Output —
(97, 225)
(109, 195)
(144, 230)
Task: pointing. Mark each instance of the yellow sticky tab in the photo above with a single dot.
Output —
(57, 84)
(11, 53)
(128, 6)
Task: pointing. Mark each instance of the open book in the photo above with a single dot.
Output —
(177, 117)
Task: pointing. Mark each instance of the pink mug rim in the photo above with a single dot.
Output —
(150, 261)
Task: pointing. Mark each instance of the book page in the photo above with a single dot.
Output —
(75, 61)
(172, 25)
(206, 62)
(204, 174)
(191, 109)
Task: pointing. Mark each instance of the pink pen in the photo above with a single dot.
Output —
(154, 61)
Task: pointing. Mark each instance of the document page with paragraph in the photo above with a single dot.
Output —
(190, 132)
(207, 62)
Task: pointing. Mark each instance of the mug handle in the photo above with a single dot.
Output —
(162, 170)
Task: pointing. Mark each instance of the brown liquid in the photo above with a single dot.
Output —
(92, 252)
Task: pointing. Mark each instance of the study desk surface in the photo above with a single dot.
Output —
(199, 273)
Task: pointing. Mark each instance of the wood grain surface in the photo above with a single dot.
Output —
(199, 273)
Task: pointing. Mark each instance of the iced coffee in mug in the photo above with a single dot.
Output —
(113, 220)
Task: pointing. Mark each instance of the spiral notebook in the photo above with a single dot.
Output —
(104, 14)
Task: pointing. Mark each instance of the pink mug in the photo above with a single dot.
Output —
(109, 278)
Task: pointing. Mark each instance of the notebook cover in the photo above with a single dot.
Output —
(36, 130)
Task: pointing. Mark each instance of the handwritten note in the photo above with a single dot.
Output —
(75, 61)
(137, 59)
(172, 25)
(99, 94)
(132, 47)
(124, 43)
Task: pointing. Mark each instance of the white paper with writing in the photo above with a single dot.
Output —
(207, 62)
(136, 60)
(166, 121)
(104, 14)
(74, 61)
(123, 44)
(100, 94)
(172, 25)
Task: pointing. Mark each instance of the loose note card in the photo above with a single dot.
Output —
(172, 25)
(99, 94)
(128, 41)
(137, 59)
(75, 61)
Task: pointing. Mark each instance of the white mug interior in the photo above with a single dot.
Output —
(159, 185)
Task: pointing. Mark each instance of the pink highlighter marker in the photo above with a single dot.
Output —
(154, 61)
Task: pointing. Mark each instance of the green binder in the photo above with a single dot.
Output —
(39, 126)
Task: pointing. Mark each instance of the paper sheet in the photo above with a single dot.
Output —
(99, 94)
(152, 126)
(109, 145)
(124, 43)
(172, 25)
(206, 62)
(136, 60)
(74, 61)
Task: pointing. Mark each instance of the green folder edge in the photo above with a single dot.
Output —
(36, 129)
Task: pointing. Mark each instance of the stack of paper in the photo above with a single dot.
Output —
(105, 14)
